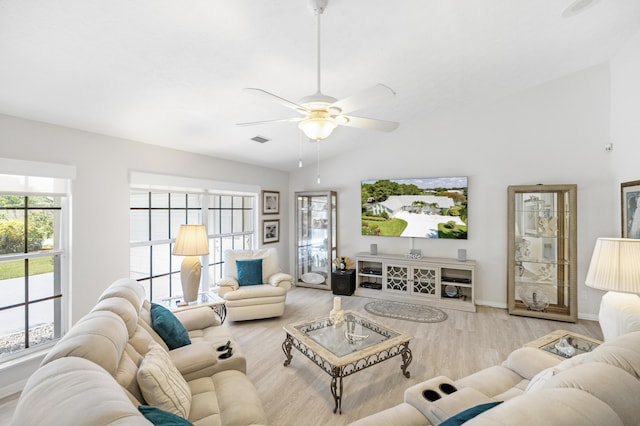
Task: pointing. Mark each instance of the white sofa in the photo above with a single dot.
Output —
(597, 388)
(247, 302)
(113, 361)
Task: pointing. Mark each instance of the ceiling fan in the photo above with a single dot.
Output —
(321, 114)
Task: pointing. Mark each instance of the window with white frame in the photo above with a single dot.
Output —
(34, 215)
(156, 216)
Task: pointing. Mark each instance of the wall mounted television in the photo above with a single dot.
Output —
(418, 208)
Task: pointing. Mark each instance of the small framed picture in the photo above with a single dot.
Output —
(270, 202)
(630, 209)
(270, 231)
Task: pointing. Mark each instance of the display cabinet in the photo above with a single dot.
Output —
(542, 252)
(316, 238)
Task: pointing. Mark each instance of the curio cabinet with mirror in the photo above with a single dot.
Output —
(316, 238)
(542, 252)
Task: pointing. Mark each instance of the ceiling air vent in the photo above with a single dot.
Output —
(260, 139)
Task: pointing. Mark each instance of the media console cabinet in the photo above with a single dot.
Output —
(444, 282)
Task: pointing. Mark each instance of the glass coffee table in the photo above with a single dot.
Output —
(342, 350)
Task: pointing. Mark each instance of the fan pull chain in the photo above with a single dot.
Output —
(299, 148)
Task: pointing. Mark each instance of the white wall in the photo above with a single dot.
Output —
(551, 134)
(625, 107)
(100, 211)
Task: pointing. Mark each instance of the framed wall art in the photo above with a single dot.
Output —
(270, 231)
(270, 202)
(630, 209)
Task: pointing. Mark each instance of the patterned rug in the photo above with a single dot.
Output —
(405, 311)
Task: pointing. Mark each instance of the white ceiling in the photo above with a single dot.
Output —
(171, 73)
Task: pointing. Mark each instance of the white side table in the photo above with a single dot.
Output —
(212, 300)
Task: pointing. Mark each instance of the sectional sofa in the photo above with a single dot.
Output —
(531, 387)
(114, 360)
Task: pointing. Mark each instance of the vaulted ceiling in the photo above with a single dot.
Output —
(171, 73)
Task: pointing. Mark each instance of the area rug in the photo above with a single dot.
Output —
(405, 311)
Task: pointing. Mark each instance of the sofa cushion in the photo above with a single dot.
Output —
(126, 375)
(162, 418)
(623, 352)
(249, 272)
(539, 380)
(100, 337)
(553, 407)
(166, 324)
(491, 381)
(74, 391)
(126, 288)
(234, 384)
(121, 307)
(612, 385)
(161, 383)
(469, 414)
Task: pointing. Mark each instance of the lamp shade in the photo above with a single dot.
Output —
(191, 241)
(615, 265)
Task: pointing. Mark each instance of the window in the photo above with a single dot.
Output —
(31, 290)
(230, 221)
(155, 219)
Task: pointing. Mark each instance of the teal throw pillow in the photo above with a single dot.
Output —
(469, 414)
(168, 327)
(249, 271)
(160, 417)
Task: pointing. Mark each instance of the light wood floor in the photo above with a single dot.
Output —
(300, 394)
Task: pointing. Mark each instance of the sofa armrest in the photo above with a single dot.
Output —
(438, 398)
(280, 279)
(198, 318)
(195, 360)
(227, 284)
(529, 361)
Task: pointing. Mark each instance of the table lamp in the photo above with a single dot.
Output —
(615, 267)
(191, 242)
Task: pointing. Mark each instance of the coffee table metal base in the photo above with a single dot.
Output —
(337, 373)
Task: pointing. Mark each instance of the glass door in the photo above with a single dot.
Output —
(542, 252)
(316, 238)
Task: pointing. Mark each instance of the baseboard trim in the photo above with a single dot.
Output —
(491, 304)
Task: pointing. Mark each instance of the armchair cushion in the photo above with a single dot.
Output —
(270, 264)
(249, 272)
(168, 327)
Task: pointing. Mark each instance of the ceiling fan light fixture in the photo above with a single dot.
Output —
(317, 128)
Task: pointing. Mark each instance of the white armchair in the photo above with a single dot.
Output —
(257, 298)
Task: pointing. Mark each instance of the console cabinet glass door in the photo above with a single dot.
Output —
(542, 245)
(316, 238)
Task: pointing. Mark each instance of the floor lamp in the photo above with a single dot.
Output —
(192, 241)
(615, 267)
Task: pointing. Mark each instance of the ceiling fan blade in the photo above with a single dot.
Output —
(283, 120)
(365, 98)
(282, 101)
(370, 123)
